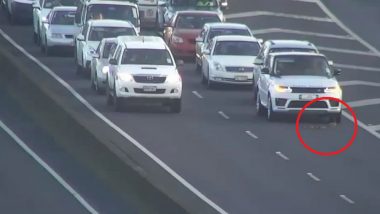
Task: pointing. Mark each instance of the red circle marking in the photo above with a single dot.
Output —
(350, 142)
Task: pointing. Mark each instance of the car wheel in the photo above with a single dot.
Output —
(210, 83)
(108, 95)
(336, 118)
(47, 49)
(198, 68)
(176, 106)
(259, 107)
(203, 79)
(38, 37)
(96, 84)
(92, 80)
(117, 104)
(79, 70)
(271, 115)
(35, 38)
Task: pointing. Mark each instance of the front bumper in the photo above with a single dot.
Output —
(233, 78)
(293, 103)
(63, 42)
(136, 90)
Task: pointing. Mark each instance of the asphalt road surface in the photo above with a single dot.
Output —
(242, 162)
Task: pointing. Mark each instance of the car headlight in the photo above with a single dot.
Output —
(105, 69)
(177, 39)
(56, 35)
(173, 78)
(334, 89)
(218, 66)
(282, 89)
(125, 77)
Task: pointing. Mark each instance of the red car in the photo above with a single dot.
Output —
(184, 27)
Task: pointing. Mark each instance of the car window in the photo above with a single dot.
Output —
(147, 57)
(194, 21)
(56, 3)
(63, 18)
(118, 53)
(302, 65)
(277, 50)
(99, 33)
(107, 49)
(221, 32)
(236, 48)
(194, 3)
(111, 11)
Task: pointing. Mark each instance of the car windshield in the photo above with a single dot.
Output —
(55, 3)
(107, 49)
(302, 65)
(110, 11)
(220, 32)
(63, 18)
(193, 21)
(277, 50)
(99, 33)
(236, 48)
(194, 3)
(147, 57)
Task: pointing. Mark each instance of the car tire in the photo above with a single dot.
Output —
(203, 79)
(271, 115)
(336, 118)
(259, 107)
(109, 99)
(35, 38)
(47, 49)
(176, 106)
(198, 67)
(96, 84)
(92, 80)
(116, 101)
(210, 83)
(38, 37)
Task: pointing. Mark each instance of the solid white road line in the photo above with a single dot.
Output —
(51, 171)
(221, 113)
(358, 82)
(249, 133)
(308, 1)
(312, 176)
(345, 28)
(365, 102)
(362, 125)
(346, 51)
(115, 127)
(282, 155)
(299, 32)
(197, 94)
(347, 199)
(357, 67)
(374, 127)
(276, 14)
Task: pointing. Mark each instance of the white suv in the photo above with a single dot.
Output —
(290, 80)
(143, 69)
(92, 33)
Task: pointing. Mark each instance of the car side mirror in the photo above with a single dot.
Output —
(36, 6)
(258, 62)
(180, 62)
(265, 71)
(331, 63)
(198, 39)
(337, 71)
(261, 41)
(113, 61)
(80, 37)
(206, 52)
(224, 5)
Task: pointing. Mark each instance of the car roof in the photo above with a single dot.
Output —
(111, 2)
(106, 40)
(297, 54)
(142, 42)
(291, 43)
(235, 38)
(222, 25)
(197, 12)
(110, 23)
(64, 8)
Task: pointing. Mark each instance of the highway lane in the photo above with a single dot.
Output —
(240, 173)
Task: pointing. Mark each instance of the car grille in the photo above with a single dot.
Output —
(69, 36)
(307, 90)
(239, 69)
(141, 91)
(149, 79)
(191, 41)
(300, 104)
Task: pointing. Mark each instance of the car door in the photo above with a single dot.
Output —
(36, 14)
(206, 58)
(113, 68)
(80, 43)
(199, 44)
(265, 80)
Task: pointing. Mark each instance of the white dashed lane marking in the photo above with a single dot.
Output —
(197, 94)
(358, 82)
(276, 14)
(221, 113)
(347, 199)
(312, 176)
(346, 51)
(282, 155)
(249, 133)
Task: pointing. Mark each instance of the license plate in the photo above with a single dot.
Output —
(307, 96)
(149, 88)
(241, 78)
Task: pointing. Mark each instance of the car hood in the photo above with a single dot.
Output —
(45, 12)
(64, 29)
(235, 60)
(187, 33)
(175, 9)
(160, 70)
(306, 81)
